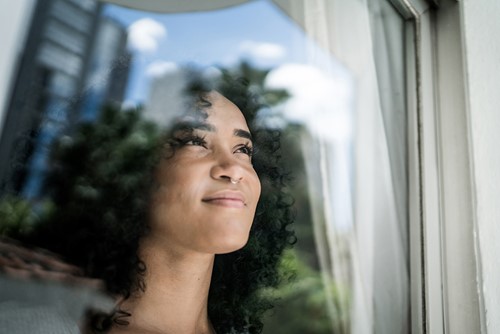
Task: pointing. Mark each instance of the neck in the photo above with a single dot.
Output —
(176, 295)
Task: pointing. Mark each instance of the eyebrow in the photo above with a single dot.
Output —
(243, 134)
(195, 125)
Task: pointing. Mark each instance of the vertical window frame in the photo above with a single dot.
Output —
(445, 268)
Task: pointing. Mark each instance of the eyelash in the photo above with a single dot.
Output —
(246, 149)
(195, 140)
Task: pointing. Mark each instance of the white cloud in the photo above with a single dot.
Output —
(160, 68)
(261, 53)
(321, 102)
(212, 73)
(144, 35)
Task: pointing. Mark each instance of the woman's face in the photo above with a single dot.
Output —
(208, 189)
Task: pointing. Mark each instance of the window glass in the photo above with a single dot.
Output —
(342, 118)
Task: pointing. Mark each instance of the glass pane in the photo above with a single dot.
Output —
(93, 73)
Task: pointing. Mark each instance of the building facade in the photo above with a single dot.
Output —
(74, 60)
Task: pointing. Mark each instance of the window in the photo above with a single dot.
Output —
(362, 95)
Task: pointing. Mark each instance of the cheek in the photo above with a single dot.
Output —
(171, 206)
(175, 177)
(171, 192)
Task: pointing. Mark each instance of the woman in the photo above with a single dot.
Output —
(163, 217)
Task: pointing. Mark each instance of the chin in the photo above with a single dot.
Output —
(229, 236)
(232, 245)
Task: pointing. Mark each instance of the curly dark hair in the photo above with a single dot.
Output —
(101, 186)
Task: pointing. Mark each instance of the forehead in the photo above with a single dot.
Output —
(224, 113)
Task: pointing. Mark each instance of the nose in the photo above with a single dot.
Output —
(227, 168)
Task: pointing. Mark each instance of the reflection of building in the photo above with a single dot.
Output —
(166, 98)
(167, 93)
(69, 45)
(108, 71)
(54, 60)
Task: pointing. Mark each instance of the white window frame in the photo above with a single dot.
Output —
(445, 273)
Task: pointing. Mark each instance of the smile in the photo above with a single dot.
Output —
(227, 199)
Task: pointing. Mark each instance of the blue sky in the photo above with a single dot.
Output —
(257, 31)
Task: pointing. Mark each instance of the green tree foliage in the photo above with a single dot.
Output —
(122, 139)
(302, 307)
(92, 193)
(16, 216)
(256, 78)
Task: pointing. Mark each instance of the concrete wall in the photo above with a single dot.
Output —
(481, 25)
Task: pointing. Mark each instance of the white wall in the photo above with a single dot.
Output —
(481, 23)
(13, 25)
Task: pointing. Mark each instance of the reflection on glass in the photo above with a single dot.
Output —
(79, 59)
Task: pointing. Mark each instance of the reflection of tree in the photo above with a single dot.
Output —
(16, 216)
(303, 305)
(95, 176)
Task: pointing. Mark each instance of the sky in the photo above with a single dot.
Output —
(258, 32)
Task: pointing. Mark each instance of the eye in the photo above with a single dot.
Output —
(196, 142)
(192, 140)
(245, 149)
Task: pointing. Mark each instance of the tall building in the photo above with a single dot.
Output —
(107, 77)
(167, 99)
(50, 76)
(74, 61)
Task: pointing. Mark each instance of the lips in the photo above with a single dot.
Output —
(230, 199)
